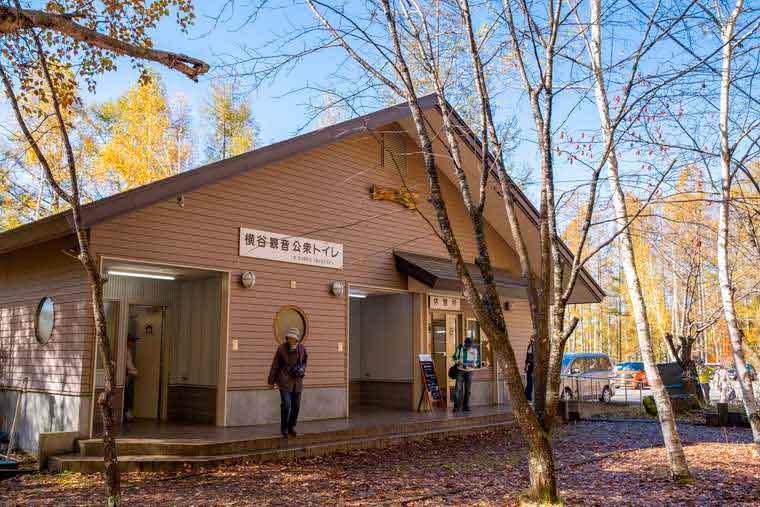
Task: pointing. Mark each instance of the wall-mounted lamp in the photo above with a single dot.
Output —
(337, 287)
(247, 279)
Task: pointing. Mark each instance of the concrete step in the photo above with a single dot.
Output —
(173, 463)
(170, 447)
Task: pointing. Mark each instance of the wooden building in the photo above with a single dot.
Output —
(201, 264)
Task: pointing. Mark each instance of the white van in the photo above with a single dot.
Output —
(587, 376)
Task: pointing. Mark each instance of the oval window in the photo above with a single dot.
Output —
(45, 320)
(287, 317)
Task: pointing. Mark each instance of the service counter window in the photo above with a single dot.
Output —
(480, 342)
(112, 329)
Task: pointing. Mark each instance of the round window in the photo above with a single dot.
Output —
(288, 317)
(45, 320)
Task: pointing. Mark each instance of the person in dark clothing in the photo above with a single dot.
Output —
(286, 374)
(529, 363)
(131, 375)
(467, 359)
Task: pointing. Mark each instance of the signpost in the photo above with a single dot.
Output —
(430, 388)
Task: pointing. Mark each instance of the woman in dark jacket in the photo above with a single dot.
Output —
(286, 374)
(529, 363)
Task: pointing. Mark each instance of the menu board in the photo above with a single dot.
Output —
(430, 381)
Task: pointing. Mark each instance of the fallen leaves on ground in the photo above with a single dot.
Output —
(598, 463)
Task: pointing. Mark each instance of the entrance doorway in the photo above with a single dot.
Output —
(380, 365)
(146, 348)
(446, 331)
(171, 322)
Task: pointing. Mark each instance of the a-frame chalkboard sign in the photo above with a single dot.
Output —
(431, 391)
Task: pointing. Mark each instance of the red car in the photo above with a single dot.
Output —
(630, 375)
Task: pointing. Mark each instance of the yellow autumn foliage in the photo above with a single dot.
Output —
(140, 147)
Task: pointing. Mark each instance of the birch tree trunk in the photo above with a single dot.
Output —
(676, 458)
(724, 277)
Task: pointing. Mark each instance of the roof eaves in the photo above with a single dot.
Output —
(152, 193)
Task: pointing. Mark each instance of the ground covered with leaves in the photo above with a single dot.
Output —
(599, 463)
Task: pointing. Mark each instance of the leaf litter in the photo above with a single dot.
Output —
(620, 463)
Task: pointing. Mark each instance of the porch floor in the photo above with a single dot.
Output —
(361, 418)
(156, 446)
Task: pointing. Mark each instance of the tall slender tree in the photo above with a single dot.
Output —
(64, 34)
(726, 18)
(232, 129)
(594, 45)
(145, 139)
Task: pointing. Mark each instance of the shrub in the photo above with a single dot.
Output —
(650, 406)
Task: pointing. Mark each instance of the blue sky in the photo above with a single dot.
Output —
(279, 113)
(278, 117)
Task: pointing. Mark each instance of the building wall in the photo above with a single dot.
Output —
(386, 338)
(58, 392)
(195, 352)
(321, 194)
(192, 331)
(520, 330)
(44, 412)
(26, 276)
(355, 334)
(381, 351)
(195, 349)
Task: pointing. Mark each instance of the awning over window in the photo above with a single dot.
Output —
(439, 273)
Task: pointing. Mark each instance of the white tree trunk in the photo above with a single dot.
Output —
(724, 278)
(676, 457)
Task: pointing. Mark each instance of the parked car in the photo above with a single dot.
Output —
(630, 375)
(587, 376)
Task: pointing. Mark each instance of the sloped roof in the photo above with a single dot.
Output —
(98, 211)
(60, 225)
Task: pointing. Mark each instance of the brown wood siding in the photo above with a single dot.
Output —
(322, 194)
(384, 394)
(61, 365)
(195, 404)
(520, 328)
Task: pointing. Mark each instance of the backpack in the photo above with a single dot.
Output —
(454, 370)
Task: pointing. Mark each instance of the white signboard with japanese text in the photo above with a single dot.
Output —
(281, 247)
(445, 303)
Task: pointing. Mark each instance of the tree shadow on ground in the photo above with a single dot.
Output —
(486, 468)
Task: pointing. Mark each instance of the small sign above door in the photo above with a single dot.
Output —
(445, 303)
(281, 247)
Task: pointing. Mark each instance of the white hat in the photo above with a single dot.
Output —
(294, 332)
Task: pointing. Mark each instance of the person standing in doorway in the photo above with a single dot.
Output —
(467, 359)
(529, 364)
(129, 387)
(286, 374)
